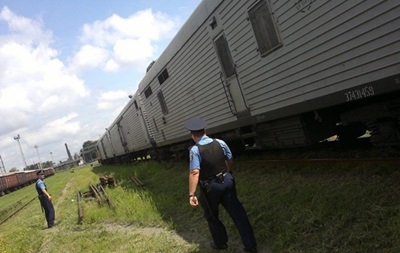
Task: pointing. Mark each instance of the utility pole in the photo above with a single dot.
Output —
(52, 159)
(2, 168)
(37, 151)
(20, 149)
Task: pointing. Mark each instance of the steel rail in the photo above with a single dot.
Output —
(16, 211)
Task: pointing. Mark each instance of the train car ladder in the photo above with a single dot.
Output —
(146, 122)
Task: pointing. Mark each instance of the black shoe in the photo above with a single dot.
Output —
(222, 246)
(252, 250)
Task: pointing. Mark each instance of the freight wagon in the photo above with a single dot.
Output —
(15, 180)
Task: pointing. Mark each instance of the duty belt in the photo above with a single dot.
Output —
(220, 176)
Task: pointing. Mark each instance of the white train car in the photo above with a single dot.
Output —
(105, 149)
(101, 153)
(128, 134)
(132, 127)
(270, 74)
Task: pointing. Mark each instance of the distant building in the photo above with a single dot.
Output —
(89, 152)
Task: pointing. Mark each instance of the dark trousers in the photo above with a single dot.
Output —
(225, 194)
(47, 205)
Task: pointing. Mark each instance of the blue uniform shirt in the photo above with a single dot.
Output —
(40, 184)
(195, 158)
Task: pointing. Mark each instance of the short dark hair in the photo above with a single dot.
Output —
(198, 133)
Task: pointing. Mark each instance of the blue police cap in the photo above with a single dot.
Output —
(195, 124)
(39, 172)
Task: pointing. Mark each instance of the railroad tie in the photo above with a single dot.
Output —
(137, 182)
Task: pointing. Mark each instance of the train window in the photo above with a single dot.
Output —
(225, 56)
(135, 103)
(264, 28)
(213, 23)
(163, 105)
(163, 76)
(148, 92)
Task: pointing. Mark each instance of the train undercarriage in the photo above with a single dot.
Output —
(376, 120)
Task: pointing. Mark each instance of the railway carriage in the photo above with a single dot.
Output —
(2, 185)
(31, 176)
(102, 150)
(128, 134)
(22, 178)
(27, 177)
(272, 74)
(133, 127)
(15, 180)
(48, 172)
(9, 182)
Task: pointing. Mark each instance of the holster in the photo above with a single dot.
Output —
(205, 185)
(220, 177)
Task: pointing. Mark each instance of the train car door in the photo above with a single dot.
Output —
(104, 149)
(143, 124)
(122, 136)
(232, 84)
(108, 134)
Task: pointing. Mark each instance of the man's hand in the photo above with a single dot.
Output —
(193, 201)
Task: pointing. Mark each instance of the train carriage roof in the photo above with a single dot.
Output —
(196, 19)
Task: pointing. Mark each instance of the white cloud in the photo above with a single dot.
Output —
(112, 99)
(15, 107)
(143, 24)
(64, 125)
(113, 95)
(128, 41)
(130, 51)
(89, 57)
(32, 78)
(35, 88)
(24, 30)
(111, 66)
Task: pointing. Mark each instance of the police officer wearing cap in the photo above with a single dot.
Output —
(45, 199)
(211, 169)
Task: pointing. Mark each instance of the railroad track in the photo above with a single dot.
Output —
(16, 211)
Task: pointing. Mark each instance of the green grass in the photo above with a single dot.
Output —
(298, 209)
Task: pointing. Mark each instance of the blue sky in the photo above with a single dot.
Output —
(67, 68)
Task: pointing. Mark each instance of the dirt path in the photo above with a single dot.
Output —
(129, 229)
(47, 236)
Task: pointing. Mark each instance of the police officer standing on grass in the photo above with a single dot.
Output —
(45, 199)
(211, 168)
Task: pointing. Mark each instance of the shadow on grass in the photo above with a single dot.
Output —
(292, 208)
(167, 184)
